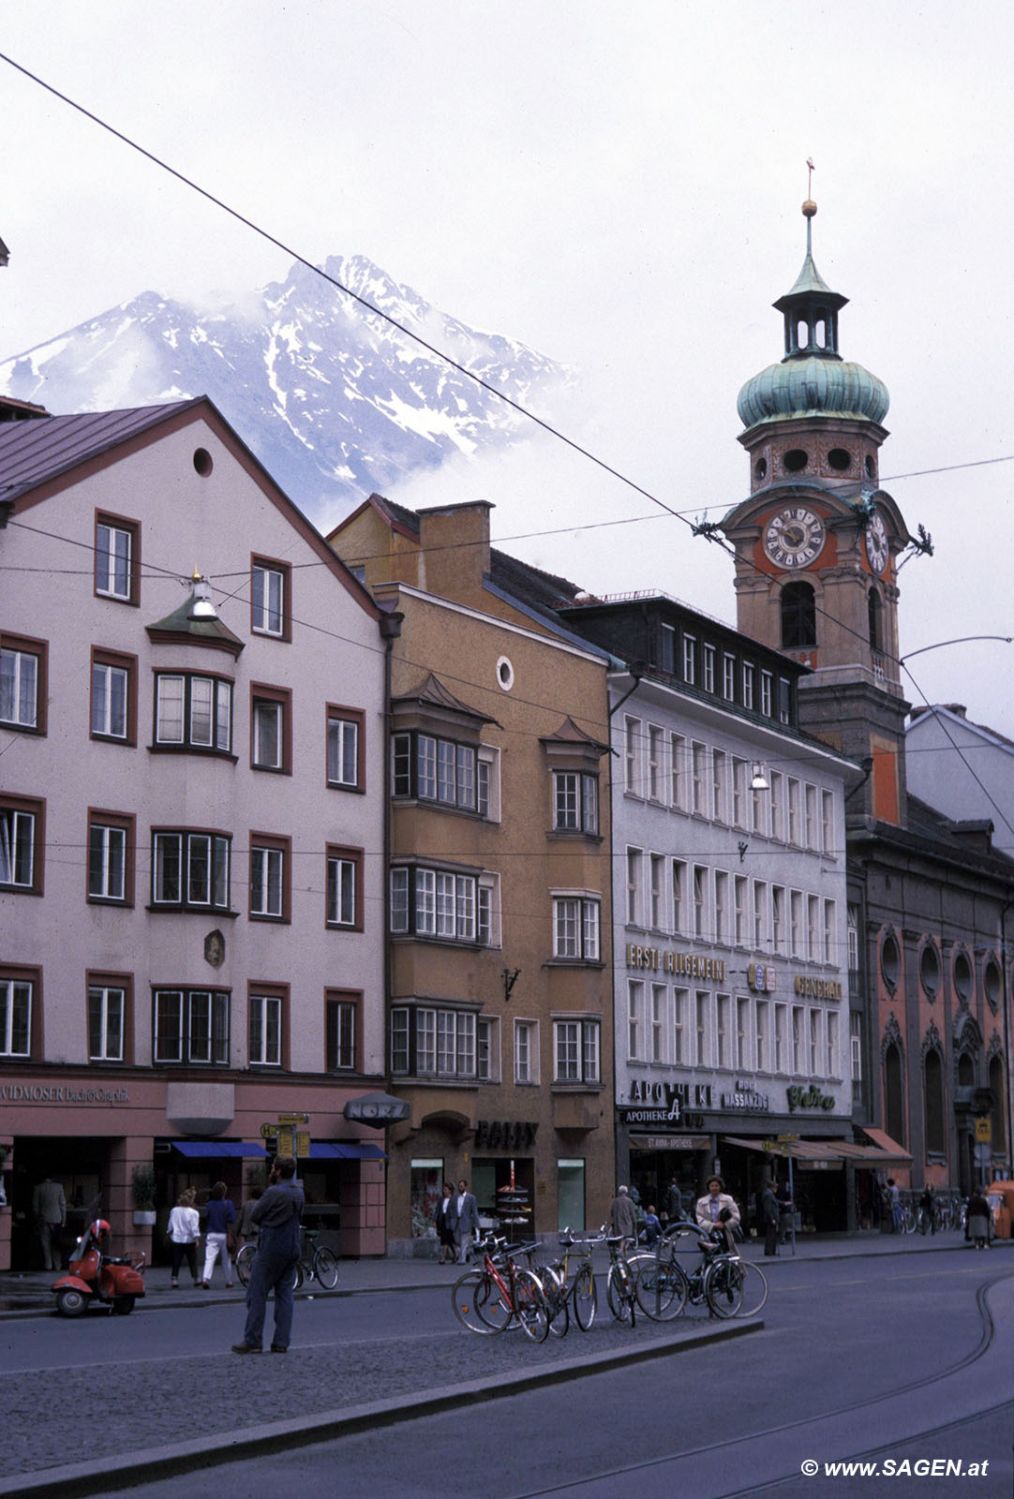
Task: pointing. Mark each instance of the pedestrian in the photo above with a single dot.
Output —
(716, 1206)
(651, 1230)
(894, 1204)
(622, 1215)
(770, 1216)
(49, 1208)
(978, 1220)
(786, 1207)
(927, 1211)
(466, 1220)
(184, 1230)
(247, 1231)
(277, 1215)
(218, 1234)
(445, 1218)
(674, 1201)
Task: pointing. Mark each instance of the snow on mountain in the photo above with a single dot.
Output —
(332, 398)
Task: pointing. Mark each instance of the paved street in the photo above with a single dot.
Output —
(858, 1353)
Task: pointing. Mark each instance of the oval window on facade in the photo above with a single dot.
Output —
(929, 970)
(890, 962)
(504, 674)
(963, 977)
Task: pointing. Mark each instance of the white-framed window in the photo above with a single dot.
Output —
(793, 830)
(268, 600)
(813, 1052)
(191, 1026)
(690, 659)
(762, 1019)
(526, 1052)
(830, 915)
(667, 648)
(721, 907)
(265, 1030)
(655, 765)
(576, 1051)
(702, 1028)
(709, 668)
(796, 924)
(852, 936)
(758, 810)
(635, 1020)
(342, 750)
(114, 560)
(739, 889)
(427, 1041)
(699, 779)
(827, 822)
(487, 1049)
(700, 900)
(784, 700)
(778, 918)
(576, 928)
(575, 802)
(728, 677)
(738, 792)
(190, 870)
(723, 1011)
(267, 881)
(781, 1039)
(813, 927)
(678, 771)
(810, 805)
(18, 869)
(437, 770)
(656, 892)
(487, 787)
(16, 996)
(444, 905)
(193, 710)
(748, 681)
(719, 779)
(679, 898)
(19, 688)
(659, 996)
(798, 1015)
(268, 733)
(342, 1026)
(831, 1054)
(110, 699)
(760, 915)
(107, 861)
(681, 1021)
(106, 1018)
(742, 1033)
(632, 755)
(777, 804)
(767, 689)
(856, 1053)
(635, 885)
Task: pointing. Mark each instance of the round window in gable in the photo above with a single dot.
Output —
(963, 978)
(203, 462)
(839, 459)
(890, 962)
(929, 971)
(504, 674)
(991, 984)
(795, 461)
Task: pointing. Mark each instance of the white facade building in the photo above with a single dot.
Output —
(963, 769)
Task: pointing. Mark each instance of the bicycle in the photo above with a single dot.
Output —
(579, 1293)
(621, 1282)
(316, 1262)
(722, 1280)
(501, 1295)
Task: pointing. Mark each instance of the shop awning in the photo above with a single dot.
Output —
(325, 1150)
(883, 1152)
(218, 1149)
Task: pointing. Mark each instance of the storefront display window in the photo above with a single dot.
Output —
(427, 1182)
(570, 1194)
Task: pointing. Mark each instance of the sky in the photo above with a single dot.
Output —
(618, 187)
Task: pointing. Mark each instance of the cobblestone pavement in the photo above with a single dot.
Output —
(58, 1416)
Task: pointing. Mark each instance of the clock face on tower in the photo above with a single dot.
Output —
(877, 549)
(794, 538)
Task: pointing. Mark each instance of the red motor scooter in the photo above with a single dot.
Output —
(96, 1278)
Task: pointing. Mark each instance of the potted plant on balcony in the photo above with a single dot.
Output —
(143, 1186)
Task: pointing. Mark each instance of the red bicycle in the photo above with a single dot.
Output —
(502, 1295)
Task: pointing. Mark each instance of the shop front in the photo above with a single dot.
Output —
(124, 1146)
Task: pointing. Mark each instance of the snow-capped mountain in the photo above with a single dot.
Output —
(334, 401)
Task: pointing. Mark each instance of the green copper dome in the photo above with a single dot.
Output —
(812, 386)
(812, 378)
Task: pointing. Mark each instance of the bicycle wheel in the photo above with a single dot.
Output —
(755, 1289)
(244, 1263)
(325, 1268)
(298, 1275)
(620, 1294)
(556, 1300)
(472, 1297)
(530, 1308)
(585, 1297)
(723, 1288)
(662, 1289)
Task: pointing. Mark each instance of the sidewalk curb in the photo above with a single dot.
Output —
(104, 1475)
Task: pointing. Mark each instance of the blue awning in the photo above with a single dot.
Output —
(218, 1149)
(325, 1150)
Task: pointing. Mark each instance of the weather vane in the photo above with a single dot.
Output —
(810, 169)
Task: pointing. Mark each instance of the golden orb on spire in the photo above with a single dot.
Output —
(809, 208)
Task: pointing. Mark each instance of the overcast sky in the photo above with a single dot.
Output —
(618, 187)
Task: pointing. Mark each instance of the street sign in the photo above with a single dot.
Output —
(268, 1131)
(983, 1152)
(303, 1142)
(984, 1131)
(293, 1119)
(787, 1139)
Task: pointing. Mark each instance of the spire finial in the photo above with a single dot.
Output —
(809, 207)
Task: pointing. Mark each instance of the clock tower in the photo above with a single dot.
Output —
(817, 540)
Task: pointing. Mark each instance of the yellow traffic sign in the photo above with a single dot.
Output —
(293, 1119)
(303, 1142)
(984, 1131)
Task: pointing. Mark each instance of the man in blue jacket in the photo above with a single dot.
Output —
(277, 1215)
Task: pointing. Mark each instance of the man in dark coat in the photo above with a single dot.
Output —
(277, 1215)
